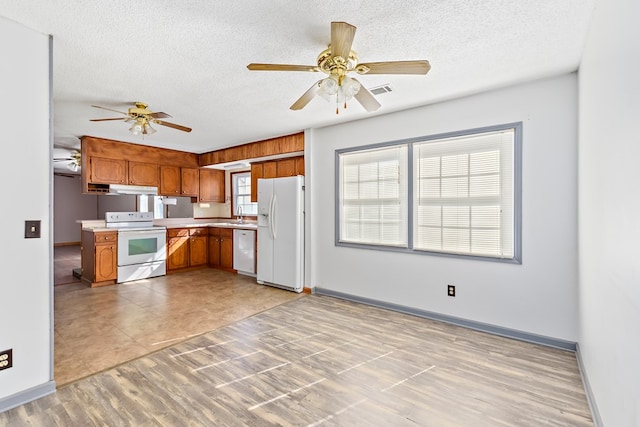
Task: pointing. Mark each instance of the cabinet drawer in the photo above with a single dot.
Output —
(177, 232)
(198, 232)
(108, 237)
(227, 233)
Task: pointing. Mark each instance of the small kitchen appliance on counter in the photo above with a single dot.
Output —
(142, 247)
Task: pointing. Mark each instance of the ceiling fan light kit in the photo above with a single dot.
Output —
(337, 61)
(142, 127)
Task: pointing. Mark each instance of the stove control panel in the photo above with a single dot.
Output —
(111, 217)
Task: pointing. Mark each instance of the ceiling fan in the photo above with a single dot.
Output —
(74, 159)
(337, 61)
(142, 118)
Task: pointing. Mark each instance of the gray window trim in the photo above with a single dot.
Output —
(517, 192)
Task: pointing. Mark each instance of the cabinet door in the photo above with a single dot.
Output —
(256, 172)
(214, 247)
(106, 259)
(143, 174)
(169, 180)
(107, 171)
(197, 250)
(178, 252)
(212, 185)
(226, 248)
(300, 165)
(270, 169)
(190, 184)
(286, 167)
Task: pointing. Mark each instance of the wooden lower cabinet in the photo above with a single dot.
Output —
(221, 248)
(198, 247)
(177, 248)
(186, 247)
(99, 253)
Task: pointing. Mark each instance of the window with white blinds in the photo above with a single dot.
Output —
(455, 194)
(373, 196)
(463, 195)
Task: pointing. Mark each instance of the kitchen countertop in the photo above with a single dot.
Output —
(99, 225)
(225, 224)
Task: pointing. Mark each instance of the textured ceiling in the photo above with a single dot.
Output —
(188, 58)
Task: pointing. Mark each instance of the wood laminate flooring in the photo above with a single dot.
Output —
(321, 361)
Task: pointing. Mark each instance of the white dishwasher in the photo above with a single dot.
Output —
(244, 251)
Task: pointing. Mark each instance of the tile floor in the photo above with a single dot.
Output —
(65, 259)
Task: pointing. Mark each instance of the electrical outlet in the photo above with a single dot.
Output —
(6, 359)
(451, 290)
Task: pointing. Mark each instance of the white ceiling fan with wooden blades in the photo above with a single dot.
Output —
(337, 61)
(141, 118)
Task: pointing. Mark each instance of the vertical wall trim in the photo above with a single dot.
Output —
(51, 281)
(591, 399)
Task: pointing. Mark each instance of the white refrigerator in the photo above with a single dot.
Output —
(281, 232)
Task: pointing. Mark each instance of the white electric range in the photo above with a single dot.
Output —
(142, 247)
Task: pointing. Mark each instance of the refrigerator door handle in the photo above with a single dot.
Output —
(272, 217)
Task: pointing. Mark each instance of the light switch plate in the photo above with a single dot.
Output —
(32, 229)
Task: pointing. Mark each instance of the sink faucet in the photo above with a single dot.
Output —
(241, 220)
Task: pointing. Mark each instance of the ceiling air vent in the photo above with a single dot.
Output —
(379, 90)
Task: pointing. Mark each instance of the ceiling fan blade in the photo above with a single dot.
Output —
(104, 120)
(394, 67)
(306, 97)
(159, 115)
(342, 35)
(62, 159)
(173, 125)
(366, 99)
(110, 109)
(281, 67)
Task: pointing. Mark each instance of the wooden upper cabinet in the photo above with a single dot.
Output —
(211, 185)
(170, 180)
(256, 172)
(291, 166)
(107, 171)
(270, 169)
(299, 165)
(286, 167)
(190, 182)
(177, 181)
(144, 174)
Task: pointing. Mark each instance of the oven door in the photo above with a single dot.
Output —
(141, 246)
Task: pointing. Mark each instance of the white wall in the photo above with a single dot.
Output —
(609, 206)
(537, 297)
(70, 205)
(26, 264)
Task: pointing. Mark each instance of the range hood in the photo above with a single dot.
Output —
(132, 189)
